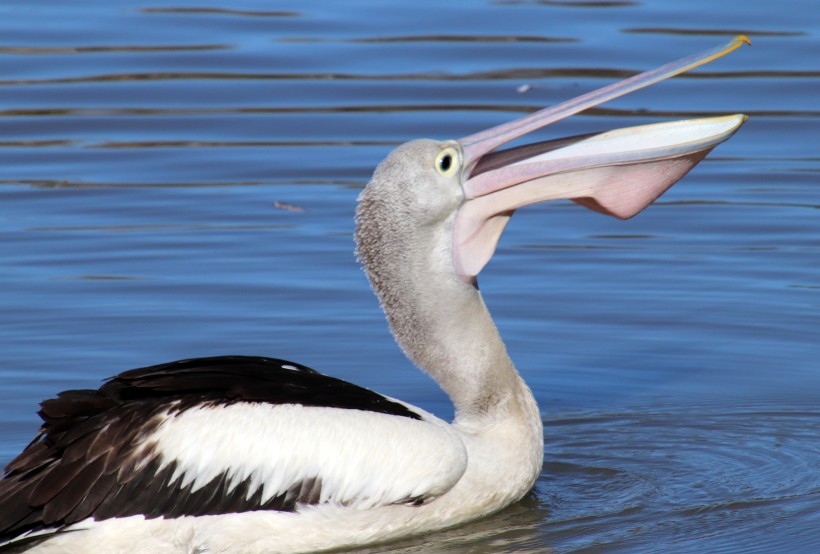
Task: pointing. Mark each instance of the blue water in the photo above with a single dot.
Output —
(149, 152)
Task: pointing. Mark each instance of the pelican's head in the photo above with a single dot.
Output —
(471, 189)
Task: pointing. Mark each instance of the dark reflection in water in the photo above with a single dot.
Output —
(581, 4)
(711, 32)
(179, 181)
(221, 11)
(466, 38)
(507, 74)
(35, 50)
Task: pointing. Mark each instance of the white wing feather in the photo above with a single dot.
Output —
(361, 458)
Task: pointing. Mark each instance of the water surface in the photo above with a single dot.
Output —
(178, 179)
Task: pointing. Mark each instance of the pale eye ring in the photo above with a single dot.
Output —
(447, 161)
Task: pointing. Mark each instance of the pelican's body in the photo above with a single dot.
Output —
(244, 454)
(380, 482)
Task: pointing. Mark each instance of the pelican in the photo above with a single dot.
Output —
(260, 455)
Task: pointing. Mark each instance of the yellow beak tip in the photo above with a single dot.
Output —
(743, 38)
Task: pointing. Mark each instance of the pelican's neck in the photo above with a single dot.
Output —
(440, 322)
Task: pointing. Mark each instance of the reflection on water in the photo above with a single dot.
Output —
(179, 181)
(221, 11)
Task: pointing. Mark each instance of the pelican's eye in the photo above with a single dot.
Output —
(447, 161)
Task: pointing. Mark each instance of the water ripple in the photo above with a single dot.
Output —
(667, 477)
(711, 32)
(220, 11)
(505, 74)
(135, 49)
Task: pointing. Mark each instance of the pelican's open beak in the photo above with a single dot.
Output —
(618, 172)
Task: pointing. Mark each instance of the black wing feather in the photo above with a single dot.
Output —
(86, 460)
